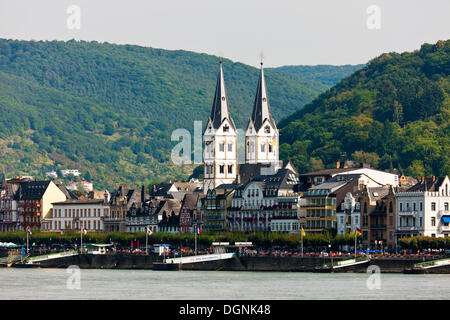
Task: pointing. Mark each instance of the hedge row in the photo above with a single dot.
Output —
(259, 239)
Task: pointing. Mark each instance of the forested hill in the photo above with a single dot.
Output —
(393, 113)
(109, 110)
(326, 74)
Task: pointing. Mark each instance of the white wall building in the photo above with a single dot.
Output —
(77, 215)
(74, 172)
(424, 209)
(381, 177)
(84, 185)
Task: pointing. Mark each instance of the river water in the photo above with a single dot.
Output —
(194, 285)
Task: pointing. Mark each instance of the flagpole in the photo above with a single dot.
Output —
(81, 245)
(195, 232)
(146, 239)
(302, 241)
(27, 241)
(355, 244)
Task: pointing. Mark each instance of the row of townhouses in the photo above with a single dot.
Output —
(261, 194)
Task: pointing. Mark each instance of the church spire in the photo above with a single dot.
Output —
(220, 109)
(261, 108)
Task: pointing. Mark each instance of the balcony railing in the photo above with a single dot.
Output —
(378, 226)
(408, 213)
(408, 228)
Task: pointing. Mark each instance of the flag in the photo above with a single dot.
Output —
(29, 231)
(198, 230)
(358, 232)
(303, 232)
(149, 232)
(274, 141)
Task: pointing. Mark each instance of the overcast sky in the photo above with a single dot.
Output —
(288, 32)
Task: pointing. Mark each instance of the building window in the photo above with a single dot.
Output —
(230, 147)
(226, 128)
(433, 221)
(446, 206)
(433, 206)
(230, 169)
(421, 206)
(221, 169)
(222, 147)
(270, 148)
(267, 129)
(263, 148)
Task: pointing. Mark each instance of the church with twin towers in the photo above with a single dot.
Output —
(220, 137)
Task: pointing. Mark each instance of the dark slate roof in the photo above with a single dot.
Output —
(249, 170)
(84, 201)
(69, 194)
(428, 184)
(190, 201)
(378, 193)
(161, 190)
(261, 107)
(32, 190)
(282, 179)
(220, 110)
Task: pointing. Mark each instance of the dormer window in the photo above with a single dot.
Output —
(266, 129)
(226, 128)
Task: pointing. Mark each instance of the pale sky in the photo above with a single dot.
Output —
(287, 32)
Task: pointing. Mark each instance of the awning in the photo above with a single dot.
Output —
(446, 219)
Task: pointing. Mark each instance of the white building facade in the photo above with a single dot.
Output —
(424, 213)
(77, 215)
(348, 215)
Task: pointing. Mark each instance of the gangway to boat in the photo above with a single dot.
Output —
(341, 264)
(422, 267)
(50, 256)
(200, 258)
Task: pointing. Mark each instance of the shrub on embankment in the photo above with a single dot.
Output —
(423, 243)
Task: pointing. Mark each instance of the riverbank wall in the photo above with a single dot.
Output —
(242, 263)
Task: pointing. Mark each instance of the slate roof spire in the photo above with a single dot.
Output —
(220, 109)
(261, 108)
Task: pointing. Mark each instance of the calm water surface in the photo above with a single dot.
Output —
(194, 285)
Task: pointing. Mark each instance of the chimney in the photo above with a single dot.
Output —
(338, 165)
